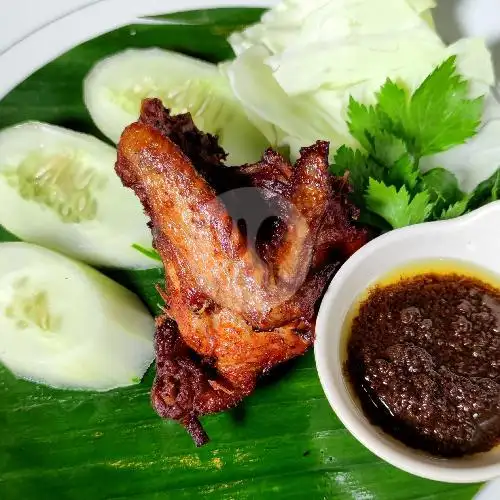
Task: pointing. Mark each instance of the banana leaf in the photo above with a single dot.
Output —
(283, 442)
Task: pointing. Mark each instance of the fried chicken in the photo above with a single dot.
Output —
(238, 300)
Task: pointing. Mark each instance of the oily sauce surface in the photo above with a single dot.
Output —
(423, 357)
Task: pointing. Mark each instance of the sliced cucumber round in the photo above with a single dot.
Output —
(115, 87)
(58, 188)
(64, 324)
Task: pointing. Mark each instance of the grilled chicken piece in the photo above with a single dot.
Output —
(185, 209)
(230, 355)
(233, 310)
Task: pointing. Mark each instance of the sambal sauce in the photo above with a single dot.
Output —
(423, 357)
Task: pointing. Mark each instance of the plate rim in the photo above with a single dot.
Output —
(51, 40)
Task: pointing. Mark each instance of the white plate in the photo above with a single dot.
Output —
(45, 30)
(33, 32)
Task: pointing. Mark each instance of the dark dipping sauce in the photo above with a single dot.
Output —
(423, 357)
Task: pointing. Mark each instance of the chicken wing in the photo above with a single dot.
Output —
(233, 310)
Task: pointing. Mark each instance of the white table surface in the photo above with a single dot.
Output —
(19, 18)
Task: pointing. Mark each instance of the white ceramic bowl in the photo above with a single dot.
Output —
(473, 239)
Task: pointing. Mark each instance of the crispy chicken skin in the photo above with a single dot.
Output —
(186, 210)
(233, 310)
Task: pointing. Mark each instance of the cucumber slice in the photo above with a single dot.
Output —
(58, 188)
(64, 324)
(115, 87)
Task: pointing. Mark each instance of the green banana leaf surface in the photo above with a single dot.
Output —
(283, 442)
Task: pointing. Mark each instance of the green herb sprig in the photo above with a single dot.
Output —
(395, 134)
